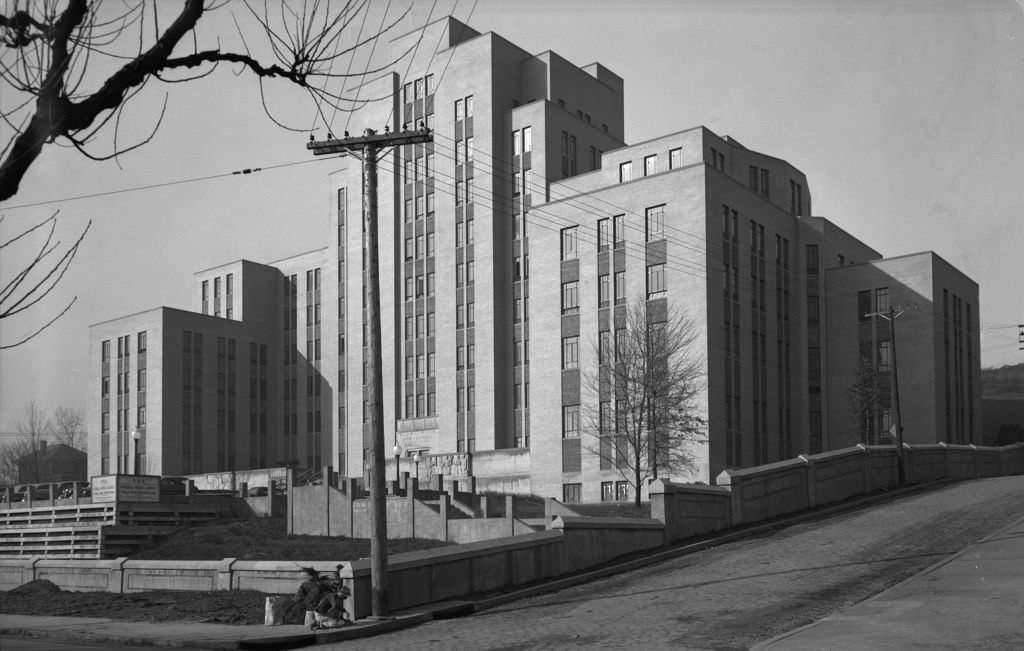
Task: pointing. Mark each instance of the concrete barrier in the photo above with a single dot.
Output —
(764, 492)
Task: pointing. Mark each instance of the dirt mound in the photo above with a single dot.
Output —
(39, 586)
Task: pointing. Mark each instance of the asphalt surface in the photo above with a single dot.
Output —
(739, 594)
(955, 554)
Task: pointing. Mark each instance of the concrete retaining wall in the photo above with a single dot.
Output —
(765, 492)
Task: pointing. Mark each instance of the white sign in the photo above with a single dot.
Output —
(125, 488)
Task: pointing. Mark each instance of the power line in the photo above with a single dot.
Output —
(241, 172)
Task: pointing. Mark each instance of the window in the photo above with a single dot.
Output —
(570, 421)
(619, 224)
(570, 297)
(431, 284)
(604, 290)
(675, 158)
(620, 287)
(607, 491)
(470, 315)
(431, 404)
(430, 324)
(469, 272)
(882, 299)
(621, 491)
(527, 139)
(469, 106)
(604, 233)
(812, 259)
(517, 143)
(570, 352)
(656, 223)
(470, 398)
(655, 279)
(765, 185)
(572, 493)
(605, 351)
(570, 242)
(625, 172)
(421, 367)
(650, 164)
(430, 203)
(458, 110)
(470, 355)
(460, 357)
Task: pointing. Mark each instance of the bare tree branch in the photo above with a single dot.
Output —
(644, 415)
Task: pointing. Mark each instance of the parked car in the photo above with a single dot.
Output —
(173, 485)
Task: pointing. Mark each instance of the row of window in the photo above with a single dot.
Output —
(675, 161)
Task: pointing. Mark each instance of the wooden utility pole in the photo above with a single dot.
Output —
(893, 313)
(367, 147)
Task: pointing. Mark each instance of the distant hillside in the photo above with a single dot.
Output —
(1002, 404)
(1003, 382)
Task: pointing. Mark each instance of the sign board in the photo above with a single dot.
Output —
(126, 488)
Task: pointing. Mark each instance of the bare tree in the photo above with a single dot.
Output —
(69, 427)
(37, 279)
(869, 397)
(72, 69)
(646, 414)
(20, 461)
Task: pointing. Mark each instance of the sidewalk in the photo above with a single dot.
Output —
(970, 601)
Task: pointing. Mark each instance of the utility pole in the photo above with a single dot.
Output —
(893, 313)
(367, 148)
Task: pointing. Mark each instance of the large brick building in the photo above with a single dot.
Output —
(528, 154)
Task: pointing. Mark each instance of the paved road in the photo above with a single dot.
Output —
(29, 644)
(738, 594)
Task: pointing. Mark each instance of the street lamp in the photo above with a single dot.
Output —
(135, 438)
(416, 458)
(397, 451)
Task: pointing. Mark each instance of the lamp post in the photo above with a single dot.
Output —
(397, 451)
(416, 458)
(135, 462)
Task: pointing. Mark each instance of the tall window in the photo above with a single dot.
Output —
(570, 297)
(650, 164)
(656, 223)
(570, 242)
(570, 352)
(675, 158)
(619, 226)
(604, 233)
(604, 290)
(570, 421)
(620, 287)
(625, 171)
(655, 279)
(527, 139)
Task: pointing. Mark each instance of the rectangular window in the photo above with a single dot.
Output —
(765, 186)
(675, 158)
(650, 164)
(527, 139)
(570, 421)
(570, 297)
(517, 142)
(570, 242)
(604, 233)
(655, 279)
(620, 287)
(604, 290)
(572, 493)
(812, 259)
(625, 172)
(607, 491)
(570, 352)
(470, 315)
(619, 226)
(656, 223)
(459, 112)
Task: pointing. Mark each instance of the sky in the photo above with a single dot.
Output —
(905, 116)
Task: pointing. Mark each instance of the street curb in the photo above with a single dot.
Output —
(764, 644)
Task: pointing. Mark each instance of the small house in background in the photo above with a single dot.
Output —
(52, 463)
